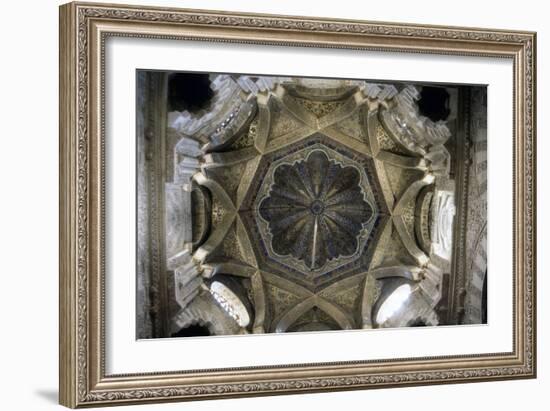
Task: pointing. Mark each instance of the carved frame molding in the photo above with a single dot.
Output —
(83, 30)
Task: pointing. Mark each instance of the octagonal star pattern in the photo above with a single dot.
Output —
(348, 205)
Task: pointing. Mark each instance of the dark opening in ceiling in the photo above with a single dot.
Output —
(189, 91)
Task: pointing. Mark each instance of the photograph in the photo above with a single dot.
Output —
(276, 204)
(256, 203)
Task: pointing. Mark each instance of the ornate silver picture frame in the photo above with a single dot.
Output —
(215, 252)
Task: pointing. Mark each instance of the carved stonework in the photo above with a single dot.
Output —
(321, 186)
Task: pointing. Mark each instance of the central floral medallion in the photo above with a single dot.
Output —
(316, 210)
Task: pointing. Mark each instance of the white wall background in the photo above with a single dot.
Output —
(29, 190)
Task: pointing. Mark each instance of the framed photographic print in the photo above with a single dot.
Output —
(258, 204)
